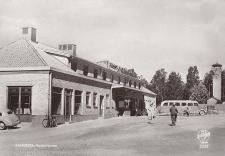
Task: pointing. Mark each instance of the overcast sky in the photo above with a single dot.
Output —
(142, 34)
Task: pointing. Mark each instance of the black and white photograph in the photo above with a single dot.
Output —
(112, 77)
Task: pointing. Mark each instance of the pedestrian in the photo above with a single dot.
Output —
(151, 112)
(173, 112)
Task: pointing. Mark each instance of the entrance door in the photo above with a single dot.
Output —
(67, 108)
(101, 106)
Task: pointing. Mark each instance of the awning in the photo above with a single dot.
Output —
(142, 90)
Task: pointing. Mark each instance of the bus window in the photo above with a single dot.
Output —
(195, 104)
(165, 104)
(177, 104)
(171, 104)
(190, 104)
(183, 104)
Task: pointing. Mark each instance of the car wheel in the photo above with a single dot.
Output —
(201, 113)
(2, 125)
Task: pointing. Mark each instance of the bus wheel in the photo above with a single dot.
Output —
(201, 112)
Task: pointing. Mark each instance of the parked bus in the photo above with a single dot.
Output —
(181, 105)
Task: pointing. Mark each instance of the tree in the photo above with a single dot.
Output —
(145, 83)
(174, 87)
(199, 93)
(208, 81)
(192, 80)
(158, 84)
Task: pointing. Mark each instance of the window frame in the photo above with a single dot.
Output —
(95, 95)
(88, 98)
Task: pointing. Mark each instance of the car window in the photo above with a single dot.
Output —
(195, 104)
(183, 104)
(9, 112)
(0, 114)
(177, 104)
(165, 104)
(190, 104)
(171, 104)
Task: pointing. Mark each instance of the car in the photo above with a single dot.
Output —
(8, 118)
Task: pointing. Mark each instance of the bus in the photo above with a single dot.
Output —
(181, 105)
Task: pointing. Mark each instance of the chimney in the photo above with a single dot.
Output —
(70, 48)
(29, 33)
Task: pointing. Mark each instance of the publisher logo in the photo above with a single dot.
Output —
(203, 136)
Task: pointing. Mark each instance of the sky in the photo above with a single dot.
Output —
(145, 35)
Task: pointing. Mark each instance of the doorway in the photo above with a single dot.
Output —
(67, 106)
(101, 106)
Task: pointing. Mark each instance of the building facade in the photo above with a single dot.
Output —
(38, 80)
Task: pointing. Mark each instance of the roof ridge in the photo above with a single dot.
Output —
(36, 52)
(10, 43)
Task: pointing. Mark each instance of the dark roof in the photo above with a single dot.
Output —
(217, 65)
(25, 53)
(20, 54)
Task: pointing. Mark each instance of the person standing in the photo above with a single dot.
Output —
(151, 112)
(173, 112)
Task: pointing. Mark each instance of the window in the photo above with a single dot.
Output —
(125, 82)
(19, 100)
(64, 47)
(171, 104)
(190, 104)
(0, 114)
(85, 70)
(104, 74)
(195, 104)
(88, 95)
(165, 104)
(95, 100)
(56, 101)
(95, 73)
(118, 80)
(130, 83)
(135, 84)
(70, 47)
(25, 30)
(78, 98)
(112, 77)
(74, 66)
(177, 104)
(183, 104)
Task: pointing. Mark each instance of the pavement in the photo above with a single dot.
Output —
(119, 136)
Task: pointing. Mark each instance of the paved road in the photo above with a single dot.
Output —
(122, 136)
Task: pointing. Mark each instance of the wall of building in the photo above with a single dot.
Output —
(62, 59)
(61, 80)
(217, 83)
(91, 67)
(38, 80)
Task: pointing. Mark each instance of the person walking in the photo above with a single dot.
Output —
(173, 112)
(151, 112)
